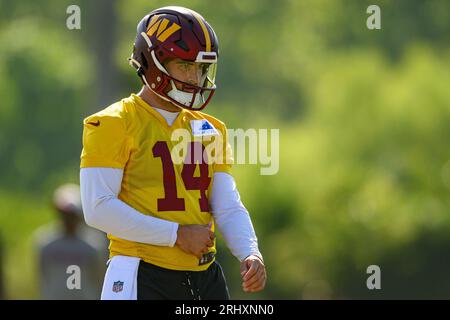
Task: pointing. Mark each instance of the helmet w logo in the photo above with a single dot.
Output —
(160, 26)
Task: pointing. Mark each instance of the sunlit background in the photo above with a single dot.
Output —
(364, 119)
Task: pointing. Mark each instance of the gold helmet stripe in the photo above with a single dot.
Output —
(205, 30)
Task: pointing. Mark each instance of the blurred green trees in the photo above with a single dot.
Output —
(364, 134)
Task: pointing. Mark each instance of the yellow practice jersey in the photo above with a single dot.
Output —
(168, 170)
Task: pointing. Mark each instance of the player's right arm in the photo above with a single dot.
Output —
(103, 210)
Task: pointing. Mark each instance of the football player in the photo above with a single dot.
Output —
(160, 214)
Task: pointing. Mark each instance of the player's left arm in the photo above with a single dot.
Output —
(234, 223)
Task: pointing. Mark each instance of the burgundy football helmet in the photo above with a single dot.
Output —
(176, 32)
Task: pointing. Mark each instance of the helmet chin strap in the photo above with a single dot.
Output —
(146, 84)
(185, 98)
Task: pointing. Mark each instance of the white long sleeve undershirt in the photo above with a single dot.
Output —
(103, 210)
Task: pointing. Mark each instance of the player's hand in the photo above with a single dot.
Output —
(253, 274)
(195, 238)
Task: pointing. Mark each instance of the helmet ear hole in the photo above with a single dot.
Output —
(144, 61)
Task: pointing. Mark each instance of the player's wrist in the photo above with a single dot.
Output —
(179, 234)
(174, 235)
(256, 255)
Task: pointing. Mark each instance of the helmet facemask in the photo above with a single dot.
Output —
(189, 95)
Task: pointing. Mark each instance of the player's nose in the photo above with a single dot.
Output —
(195, 75)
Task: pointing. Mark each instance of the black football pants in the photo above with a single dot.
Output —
(156, 283)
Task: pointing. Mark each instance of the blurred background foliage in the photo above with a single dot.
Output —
(364, 119)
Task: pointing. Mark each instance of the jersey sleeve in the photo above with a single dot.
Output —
(224, 158)
(105, 142)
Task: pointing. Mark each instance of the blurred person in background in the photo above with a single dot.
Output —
(67, 243)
